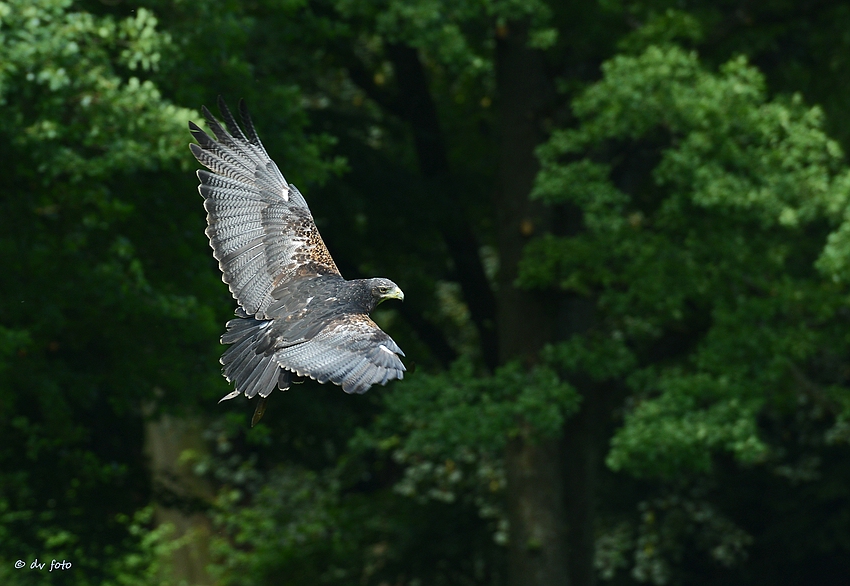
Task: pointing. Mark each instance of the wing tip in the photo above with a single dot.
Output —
(207, 114)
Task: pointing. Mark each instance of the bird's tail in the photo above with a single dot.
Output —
(246, 363)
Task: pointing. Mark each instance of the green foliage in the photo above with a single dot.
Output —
(703, 228)
(439, 438)
(459, 409)
(293, 525)
(448, 432)
(714, 246)
(663, 28)
(693, 415)
(107, 305)
(669, 526)
(140, 559)
(598, 358)
(146, 561)
(713, 249)
(443, 28)
(75, 113)
(781, 37)
(295, 522)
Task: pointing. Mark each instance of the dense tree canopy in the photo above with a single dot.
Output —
(622, 230)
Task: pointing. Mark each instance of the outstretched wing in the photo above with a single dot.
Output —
(260, 228)
(351, 351)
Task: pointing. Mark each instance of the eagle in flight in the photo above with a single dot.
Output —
(297, 316)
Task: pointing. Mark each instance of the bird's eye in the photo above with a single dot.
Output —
(383, 289)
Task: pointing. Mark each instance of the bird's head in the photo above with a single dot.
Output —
(383, 289)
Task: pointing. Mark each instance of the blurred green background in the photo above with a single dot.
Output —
(623, 232)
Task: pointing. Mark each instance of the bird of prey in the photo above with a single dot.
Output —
(297, 316)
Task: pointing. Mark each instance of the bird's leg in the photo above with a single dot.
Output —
(258, 412)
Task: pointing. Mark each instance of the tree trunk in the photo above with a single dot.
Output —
(537, 553)
(584, 442)
(419, 110)
(535, 473)
(581, 447)
(165, 440)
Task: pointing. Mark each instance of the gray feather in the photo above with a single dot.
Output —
(296, 314)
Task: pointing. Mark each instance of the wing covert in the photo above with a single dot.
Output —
(260, 227)
(351, 351)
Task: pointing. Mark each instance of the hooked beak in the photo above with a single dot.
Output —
(394, 293)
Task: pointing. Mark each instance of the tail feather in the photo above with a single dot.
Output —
(246, 364)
